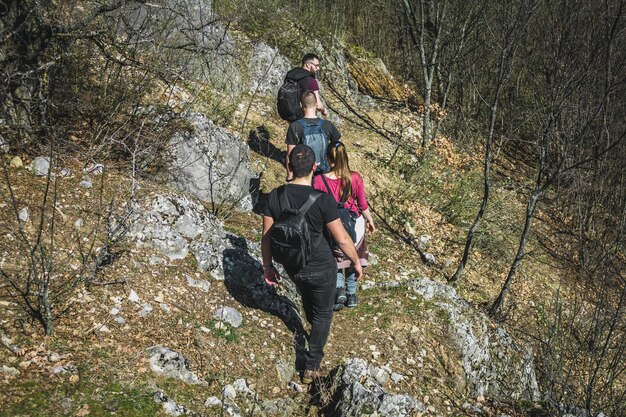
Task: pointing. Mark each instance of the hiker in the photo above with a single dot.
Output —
(297, 81)
(315, 278)
(346, 187)
(312, 131)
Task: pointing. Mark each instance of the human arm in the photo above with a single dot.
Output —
(269, 271)
(289, 173)
(319, 105)
(346, 245)
(370, 221)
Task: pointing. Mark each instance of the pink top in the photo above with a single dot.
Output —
(356, 202)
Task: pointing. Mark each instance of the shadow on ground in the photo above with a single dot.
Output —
(259, 142)
(243, 278)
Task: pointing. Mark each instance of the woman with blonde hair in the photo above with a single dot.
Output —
(346, 186)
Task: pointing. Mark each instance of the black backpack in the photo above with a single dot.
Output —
(347, 216)
(290, 236)
(289, 95)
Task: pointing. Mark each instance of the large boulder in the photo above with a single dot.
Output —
(360, 392)
(267, 70)
(494, 365)
(176, 226)
(213, 164)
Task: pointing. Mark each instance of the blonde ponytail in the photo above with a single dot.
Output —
(338, 159)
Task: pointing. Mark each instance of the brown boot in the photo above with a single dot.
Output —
(310, 375)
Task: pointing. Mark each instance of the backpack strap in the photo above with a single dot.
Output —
(285, 204)
(341, 201)
(309, 202)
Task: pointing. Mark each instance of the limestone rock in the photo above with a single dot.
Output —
(172, 364)
(267, 70)
(493, 364)
(40, 166)
(228, 315)
(213, 164)
(24, 215)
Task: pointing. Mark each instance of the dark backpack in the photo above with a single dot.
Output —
(289, 95)
(315, 138)
(290, 236)
(347, 216)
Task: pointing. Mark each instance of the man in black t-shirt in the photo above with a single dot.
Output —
(316, 281)
(295, 132)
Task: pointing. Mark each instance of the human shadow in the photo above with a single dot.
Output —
(243, 278)
(259, 142)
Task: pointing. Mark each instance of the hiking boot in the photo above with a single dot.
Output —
(310, 375)
(340, 297)
(337, 307)
(352, 301)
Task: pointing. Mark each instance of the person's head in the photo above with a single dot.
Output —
(338, 160)
(301, 161)
(308, 100)
(311, 62)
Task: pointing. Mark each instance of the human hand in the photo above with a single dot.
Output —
(271, 275)
(358, 271)
(370, 227)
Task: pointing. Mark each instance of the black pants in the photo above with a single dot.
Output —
(317, 290)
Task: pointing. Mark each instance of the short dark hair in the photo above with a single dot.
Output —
(301, 160)
(309, 57)
(308, 99)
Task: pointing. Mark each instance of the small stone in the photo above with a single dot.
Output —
(9, 370)
(159, 297)
(275, 390)
(165, 308)
(86, 183)
(202, 284)
(241, 386)
(96, 169)
(54, 357)
(229, 392)
(16, 162)
(229, 315)
(102, 328)
(119, 320)
(23, 214)
(78, 223)
(296, 387)
(430, 259)
(133, 297)
(114, 311)
(147, 309)
(155, 260)
(205, 329)
(396, 378)
(64, 173)
(40, 166)
(410, 361)
(212, 402)
(59, 369)
(375, 355)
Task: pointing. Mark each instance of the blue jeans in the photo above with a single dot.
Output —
(317, 290)
(350, 281)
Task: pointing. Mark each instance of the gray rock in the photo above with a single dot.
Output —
(285, 370)
(86, 182)
(157, 224)
(4, 146)
(396, 378)
(9, 370)
(212, 401)
(24, 214)
(133, 297)
(78, 223)
(380, 375)
(228, 315)
(171, 407)
(172, 364)
(241, 386)
(430, 259)
(213, 165)
(360, 393)
(94, 169)
(54, 357)
(229, 392)
(494, 365)
(64, 173)
(267, 70)
(146, 310)
(282, 407)
(202, 284)
(119, 320)
(40, 166)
